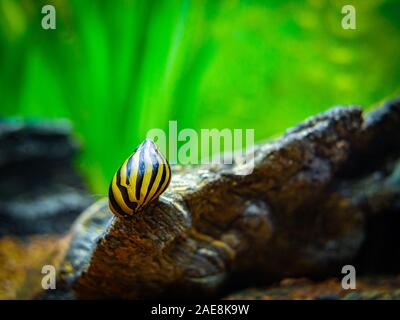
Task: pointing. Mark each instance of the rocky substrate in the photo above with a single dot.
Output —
(40, 191)
(325, 194)
(41, 195)
(367, 288)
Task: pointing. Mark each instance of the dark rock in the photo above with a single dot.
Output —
(40, 191)
(305, 210)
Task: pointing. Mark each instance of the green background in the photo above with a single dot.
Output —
(119, 68)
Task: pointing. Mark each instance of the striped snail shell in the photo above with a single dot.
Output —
(142, 178)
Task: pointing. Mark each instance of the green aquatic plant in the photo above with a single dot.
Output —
(119, 68)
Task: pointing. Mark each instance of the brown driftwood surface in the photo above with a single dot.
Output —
(305, 210)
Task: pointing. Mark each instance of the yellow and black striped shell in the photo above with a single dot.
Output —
(142, 178)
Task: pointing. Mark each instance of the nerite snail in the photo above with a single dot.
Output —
(142, 178)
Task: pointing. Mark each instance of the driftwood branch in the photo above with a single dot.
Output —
(306, 209)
